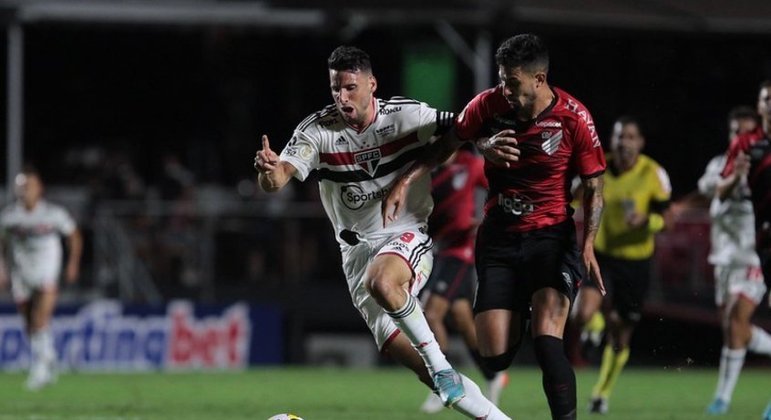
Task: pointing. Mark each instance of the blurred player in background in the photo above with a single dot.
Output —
(739, 286)
(755, 147)
(535, 139)
(358, 146)
(637, 191)
(29, 237)
(453, 283)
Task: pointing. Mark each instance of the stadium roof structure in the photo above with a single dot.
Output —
(735, 16)
(349, 17)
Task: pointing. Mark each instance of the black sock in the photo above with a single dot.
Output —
(559, 380)
(488, 373)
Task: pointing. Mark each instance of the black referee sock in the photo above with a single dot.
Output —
(488, 373)
(559, 380)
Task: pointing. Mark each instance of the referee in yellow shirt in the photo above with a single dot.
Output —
(637, 191)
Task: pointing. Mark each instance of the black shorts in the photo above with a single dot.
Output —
(512, 266)
(452, 279)
(626, 282)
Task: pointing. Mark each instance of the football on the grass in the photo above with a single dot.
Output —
(285, 416)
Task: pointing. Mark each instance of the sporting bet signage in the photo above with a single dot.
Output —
(106, 335)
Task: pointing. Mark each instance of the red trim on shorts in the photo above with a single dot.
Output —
(389, 340)
(412, 270)
(458, 280)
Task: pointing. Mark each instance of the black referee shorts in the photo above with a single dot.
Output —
(626, 282)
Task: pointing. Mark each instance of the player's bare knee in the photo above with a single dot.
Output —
(387, 290)
(434, 316)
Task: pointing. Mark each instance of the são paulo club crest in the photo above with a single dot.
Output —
(368, 160)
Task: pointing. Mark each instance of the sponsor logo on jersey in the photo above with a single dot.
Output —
(389, 111)
(341, 141)
(368, 160)
(459, 179)
(397, 246)
(326, 123)
(552, 141)
(504, 121)
(549, 124)
(389, 129)
(584, 115)
(354, 197)
(516, 204)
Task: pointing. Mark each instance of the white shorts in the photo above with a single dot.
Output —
(22, 287)
(414, 247)
(740, 280)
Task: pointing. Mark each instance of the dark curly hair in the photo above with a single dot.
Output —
(349, 58)
(524, 50)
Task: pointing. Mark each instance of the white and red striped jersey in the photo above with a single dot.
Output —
(356, 169)
(733, 221)
(35, 248)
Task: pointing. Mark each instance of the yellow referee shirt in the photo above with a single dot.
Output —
(645, 188)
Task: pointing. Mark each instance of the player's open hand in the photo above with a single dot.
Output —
(500, 149)
(394, 201)
(266, 159)
(593, 268)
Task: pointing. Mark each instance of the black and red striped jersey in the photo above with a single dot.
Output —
(452, 224)
(555, 147)
(758, 146)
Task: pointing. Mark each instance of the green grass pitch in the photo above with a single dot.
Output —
(341, 394)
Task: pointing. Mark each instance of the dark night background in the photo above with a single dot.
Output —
(207, 94)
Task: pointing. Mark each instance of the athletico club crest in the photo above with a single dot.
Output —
(368, 160)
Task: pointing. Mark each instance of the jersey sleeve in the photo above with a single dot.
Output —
(63, 221)
(432, 122)
(709, 180)
(589, 158)
(469, 122)
(302, 152)
(662, 187)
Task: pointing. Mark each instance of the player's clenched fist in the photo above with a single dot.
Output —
(266, 159)
(500, 149)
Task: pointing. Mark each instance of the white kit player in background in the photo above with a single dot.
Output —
(739, 285)
(358, 147)
(30, 232)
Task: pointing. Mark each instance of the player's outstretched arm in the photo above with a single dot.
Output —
(593, 204)
(273, 173)
(436, 153)
(75, 250)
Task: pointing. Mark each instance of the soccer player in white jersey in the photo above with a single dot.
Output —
(29, 235)
(358, 146)
(739, 286)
